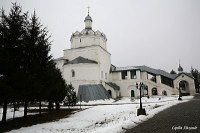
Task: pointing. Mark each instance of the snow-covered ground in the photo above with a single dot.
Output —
(109, 116)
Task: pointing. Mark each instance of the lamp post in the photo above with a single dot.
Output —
(140, 111)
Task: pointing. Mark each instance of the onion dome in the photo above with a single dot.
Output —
(180, 69)
(88, 18)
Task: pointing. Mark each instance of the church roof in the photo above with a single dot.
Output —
(113, 85)
(91, 92)
(88, 18)
(81, 60)
(151, 70)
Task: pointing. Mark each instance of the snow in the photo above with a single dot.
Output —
(106, 116)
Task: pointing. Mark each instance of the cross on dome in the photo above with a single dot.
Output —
(88, 10)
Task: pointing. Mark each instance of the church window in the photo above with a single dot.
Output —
(73, 73)
(133, 74)
(80, 40)
(124, 74)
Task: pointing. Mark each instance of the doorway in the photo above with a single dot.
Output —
(132, 93)
(110, 93)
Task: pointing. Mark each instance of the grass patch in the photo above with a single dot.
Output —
(47, 116)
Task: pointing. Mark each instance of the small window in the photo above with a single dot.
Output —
(73, 73)
(102, 74)
(164, 93)
(80, 40)
(133, 74)
(124, 74)
(105, 75)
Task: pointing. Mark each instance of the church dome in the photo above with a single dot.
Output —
(180, 69)
(88, 18)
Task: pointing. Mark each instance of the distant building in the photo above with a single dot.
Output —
(87, 66)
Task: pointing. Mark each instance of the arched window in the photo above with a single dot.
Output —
(73, 73)
(164, 93)
(154, 91)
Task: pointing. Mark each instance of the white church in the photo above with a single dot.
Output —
(87, 66)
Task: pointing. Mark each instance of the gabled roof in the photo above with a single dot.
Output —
(81, 60)
(151, 70)
(113, 85)
(188, 74)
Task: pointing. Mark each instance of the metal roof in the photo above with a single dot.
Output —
(81, 60)
(91, 92)
(150, 70)
(88, 18)
(113, 85)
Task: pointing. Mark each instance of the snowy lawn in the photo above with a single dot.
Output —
(112, 118)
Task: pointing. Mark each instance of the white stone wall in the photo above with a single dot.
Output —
(88, 40)
(143, 75)
(105, 63)
(96, 53)
(85, 73)
(86, 52)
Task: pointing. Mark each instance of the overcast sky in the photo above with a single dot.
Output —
(156, 33)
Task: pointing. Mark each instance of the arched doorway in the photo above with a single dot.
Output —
(154, 91)
(184, 87)
(132, 93)
(110, 92)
